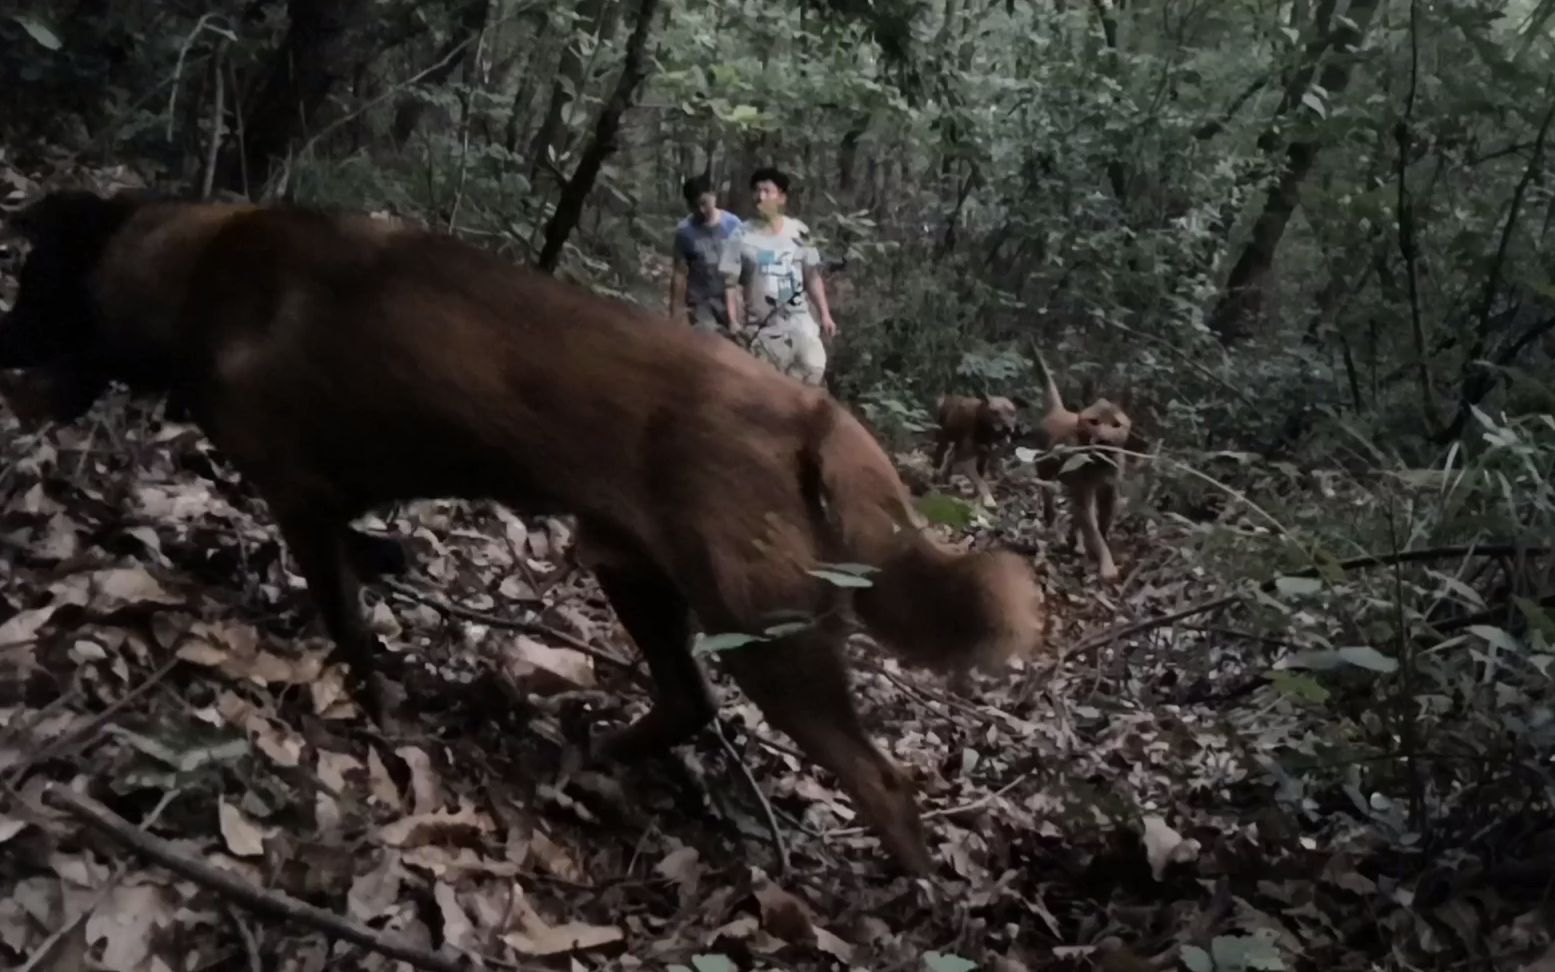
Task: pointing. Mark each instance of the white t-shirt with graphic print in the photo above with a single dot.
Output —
(767, 263)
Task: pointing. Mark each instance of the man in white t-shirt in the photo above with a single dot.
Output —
(772, 260)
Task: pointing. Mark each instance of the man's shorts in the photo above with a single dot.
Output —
(794, 346)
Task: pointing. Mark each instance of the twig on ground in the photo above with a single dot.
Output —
(43, 952)
(778, 844)
(250, 945)
(497, 621)
(269, 903)
(968, 807)
(84, 733)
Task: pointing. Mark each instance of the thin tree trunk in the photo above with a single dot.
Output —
(303, 70)
(565, 89)
(607, 128)
(1242, 301)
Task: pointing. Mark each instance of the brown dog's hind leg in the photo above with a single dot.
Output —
(657, 617)
(801, 685)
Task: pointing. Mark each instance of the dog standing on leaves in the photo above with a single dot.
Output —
(973, 434)
(1090, 477)
(342, 363)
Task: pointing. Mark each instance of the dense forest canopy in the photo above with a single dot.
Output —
(1312, 242)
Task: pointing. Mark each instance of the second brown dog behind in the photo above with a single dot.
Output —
(1089, 476)
(972, 435)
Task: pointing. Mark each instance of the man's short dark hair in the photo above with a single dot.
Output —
(775, 176)
(694, 187)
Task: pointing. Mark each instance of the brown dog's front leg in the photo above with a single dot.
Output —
(657, 617)
(1106, 500)
(1086, 514)
(942, 459)
(801, 685)
(318, 543)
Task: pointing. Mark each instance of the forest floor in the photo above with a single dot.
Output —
(1117, 807)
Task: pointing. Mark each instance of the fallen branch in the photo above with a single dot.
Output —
(1355, 563)
(497, 621)
(778, 843)
(271, 904)
(959, 808)
(44, 952)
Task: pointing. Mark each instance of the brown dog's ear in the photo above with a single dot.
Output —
(1019, 402)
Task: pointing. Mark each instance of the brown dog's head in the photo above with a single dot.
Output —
(56, 312)
(56, 320)
(1105, 423)
(998, 418)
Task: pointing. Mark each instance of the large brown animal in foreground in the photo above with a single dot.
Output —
(1090, 476)
(341, 363)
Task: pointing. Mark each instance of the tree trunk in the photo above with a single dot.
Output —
(634, 71)
(409, 108)
(569, 82)
(1241, 304)
(310, 61)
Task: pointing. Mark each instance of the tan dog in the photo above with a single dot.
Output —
(343, 363)
(1090, 477)
(973, 435)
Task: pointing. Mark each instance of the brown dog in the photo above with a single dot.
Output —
(1089, 476)
(973, 434)
(343, 363)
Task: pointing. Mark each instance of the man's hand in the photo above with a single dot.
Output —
(828, 326)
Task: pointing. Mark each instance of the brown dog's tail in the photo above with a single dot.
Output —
(934, 606)
(1052, 401)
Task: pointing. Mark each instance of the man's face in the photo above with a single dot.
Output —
(706, 206)
(770, 200)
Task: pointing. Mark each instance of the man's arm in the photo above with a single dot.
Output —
(815, 286)
(732, 264)
(677, 287)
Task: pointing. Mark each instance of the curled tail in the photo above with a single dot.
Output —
(932, 605)
(1052, 401)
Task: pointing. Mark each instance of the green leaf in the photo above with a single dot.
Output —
(943, 962)
(1498, 638)
(1312, 101)
(1234, 953)
(841, 579)
(1196, 959)
(714, 962)
(945, 510)
(1365, 656)
(1297, 586)
(1360, 656)
(859, 569)
(727, 641)
(1074, 462)
(1298, 686)
(39, 31)
(1538, 618)
(786, 628)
